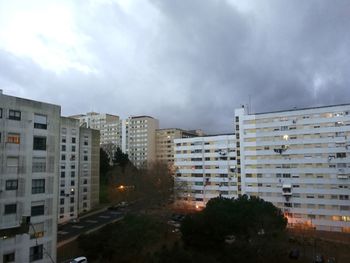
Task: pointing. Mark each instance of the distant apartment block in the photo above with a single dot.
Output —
(69, 170)
(300, 161)
(107, 124)
(165, 143)
(29, 161)
(205, 168)
(79, 169)
(142, 139)
(297, 159)
(89, 169)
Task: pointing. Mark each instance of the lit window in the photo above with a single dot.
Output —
(13, 138)
(36, 230)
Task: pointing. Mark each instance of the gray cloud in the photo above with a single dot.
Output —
(191, 63)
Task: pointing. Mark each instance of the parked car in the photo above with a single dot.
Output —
(230, 239)
(79, 260)
(294, 253)
(318, 258)
(177, 217)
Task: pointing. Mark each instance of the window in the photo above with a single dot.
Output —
(37, 210)
(63, 157)
(13, 138)
(62, 210)
(63, 140)
(0, 113)
(72, 157)
(63, 148)
(36, 253)
(73, 139)
(63, 174)
(85, 158)
(10, 209)
(72, 173)
(38, 186)
(62, 201)
(11, 185)
(14, 115)
(86, 143)
(72, 183)
(36, 230)
(73, 148)
(12, 164)
(40, 121)
(39, 143)
(7, 258)
(72, 199)
(39, 165)
(341, 155)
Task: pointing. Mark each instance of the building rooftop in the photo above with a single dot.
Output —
(141, 116)
(298, 109)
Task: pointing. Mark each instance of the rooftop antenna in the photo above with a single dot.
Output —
(250, 104)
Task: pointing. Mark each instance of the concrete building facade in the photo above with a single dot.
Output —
(165, 143)
(142, 139)
(29, 161)
(89, 169)
(205, 168)
(79, 169)
(107, 124)
(300, 161)
(69, 169)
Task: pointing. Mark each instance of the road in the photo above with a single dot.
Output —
(70, 231)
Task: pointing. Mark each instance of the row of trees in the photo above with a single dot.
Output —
(122, 181)
(255, 228)
(246, 229)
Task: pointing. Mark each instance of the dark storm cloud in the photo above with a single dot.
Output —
(294, 53)
(191, 63)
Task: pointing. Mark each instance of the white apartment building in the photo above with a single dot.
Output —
(165, 143)
(300, 161)
(124, 135)
(107, 124)
(69, 170)
(29, 161)
(79, 169)
(89, 169)
(141, 132)
(205, 168)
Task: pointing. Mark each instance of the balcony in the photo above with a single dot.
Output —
(343, 176)
(15, 228)
(287, 190)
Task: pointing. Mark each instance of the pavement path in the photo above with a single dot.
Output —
(70, 231)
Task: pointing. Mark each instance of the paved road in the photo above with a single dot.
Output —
(71, 230)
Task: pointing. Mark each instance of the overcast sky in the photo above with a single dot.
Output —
(189, 63)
